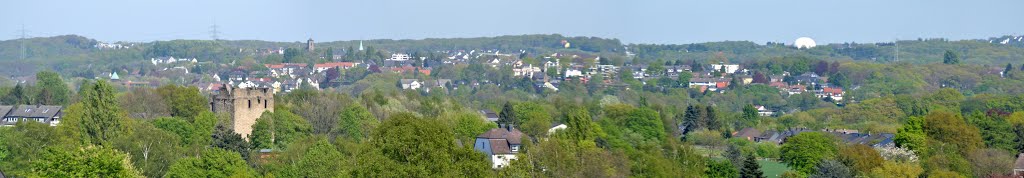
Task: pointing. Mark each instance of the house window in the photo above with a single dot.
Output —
(515, 148)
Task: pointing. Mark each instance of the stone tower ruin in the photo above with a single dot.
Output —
(245, 105)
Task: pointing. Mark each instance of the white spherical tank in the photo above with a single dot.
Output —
(804, 43)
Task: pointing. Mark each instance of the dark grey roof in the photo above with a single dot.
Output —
(4, 110)
(35, 111)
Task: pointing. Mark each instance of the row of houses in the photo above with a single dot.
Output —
(47, 114)
(846, 136)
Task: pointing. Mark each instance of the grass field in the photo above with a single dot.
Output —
(772, 168)
(769, 168)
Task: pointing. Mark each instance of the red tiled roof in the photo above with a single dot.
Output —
(721, 84)
(335, 64)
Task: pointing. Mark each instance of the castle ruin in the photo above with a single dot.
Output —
(245, 105)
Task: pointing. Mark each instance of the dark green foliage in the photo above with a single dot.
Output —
(751, 169)
(1018, 130)
(52, 89)
(18, 95)
(227, 139)
(508, 115)
(720, 169)
(831, 169)
(950, 57)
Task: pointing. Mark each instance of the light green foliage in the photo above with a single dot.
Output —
(101, 119)
(466, 124)
(262, 132)
(184, 101)
(213, 163)
(408, 146)
(911, 135)
(805, 150)
(535, 119)
(860, 158)
(281, 126)
(152, 149)
(89, 161)
(23, 143)
(897, 170)
(356, 122)
(321, 160)
(950, 128)
(721, 169)
(646, 122)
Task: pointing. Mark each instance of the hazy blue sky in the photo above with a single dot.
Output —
(632, 21)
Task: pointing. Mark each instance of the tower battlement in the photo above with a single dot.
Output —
(245, 105)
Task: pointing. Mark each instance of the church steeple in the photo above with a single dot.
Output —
(360, 45)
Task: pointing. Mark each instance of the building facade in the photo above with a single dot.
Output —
(244, 105)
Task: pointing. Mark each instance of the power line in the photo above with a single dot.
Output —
(24, 50)
(214, 33)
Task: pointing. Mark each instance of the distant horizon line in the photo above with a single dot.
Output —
(788, 42)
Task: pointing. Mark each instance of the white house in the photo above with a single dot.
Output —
(557, 128)
(411, 84)
(500, 145)
(399, 57)
(573, 73)
(729, 68)
(527, 71)
(763, 111)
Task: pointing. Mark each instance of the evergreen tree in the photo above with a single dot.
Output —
(750, 168)
(226, 139)
(711, 118)
(735, 156)
(16, 96)
(692, 118)
(1009, 68)
(507, 115)
(950, 57)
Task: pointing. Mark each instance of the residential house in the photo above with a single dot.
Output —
(489, 115)
(573, 73)
(729, 68)
(410, 84)
(399, 57)
(46, 114)
(749, 133)
(341, 65)
(557, 128)
(763, 111)
(527, 71)
(500, 145)
(285, 69)
(835, 93)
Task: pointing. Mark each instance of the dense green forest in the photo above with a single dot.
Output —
(955, 108)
